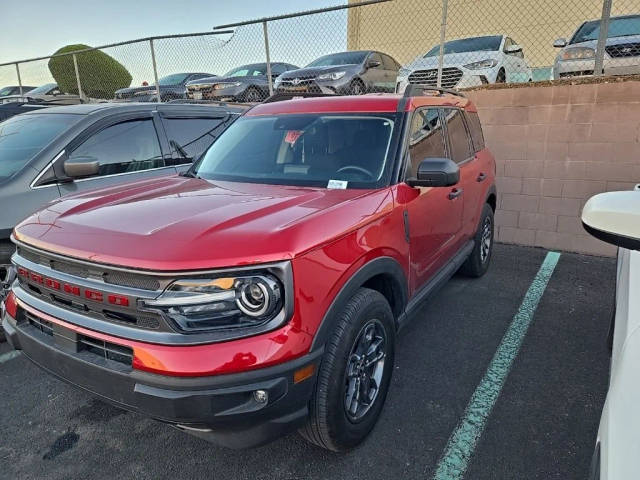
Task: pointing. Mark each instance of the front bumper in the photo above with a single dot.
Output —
(341, 86)
(222, 409)
(611, 66)
(468, 79)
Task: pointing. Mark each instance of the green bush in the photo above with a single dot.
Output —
(100, 74)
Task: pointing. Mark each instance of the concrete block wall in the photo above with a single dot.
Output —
(555, 146)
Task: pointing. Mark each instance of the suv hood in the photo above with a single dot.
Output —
(610, 41)
(453, 59)
(179, 223)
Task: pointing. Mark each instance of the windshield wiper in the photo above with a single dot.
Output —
(178, 148)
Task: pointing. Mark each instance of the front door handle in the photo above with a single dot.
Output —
(455, 193)
(481, 177)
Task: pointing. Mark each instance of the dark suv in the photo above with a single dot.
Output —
(262, 290)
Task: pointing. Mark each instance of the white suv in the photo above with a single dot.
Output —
(469, 62)
(615, 218)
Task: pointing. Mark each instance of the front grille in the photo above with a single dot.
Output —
(39, 324)
(106, 350)
(450, 77)
(623, 50)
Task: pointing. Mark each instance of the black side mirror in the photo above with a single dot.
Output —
(81, 167)
(373, 63)
(436, 172)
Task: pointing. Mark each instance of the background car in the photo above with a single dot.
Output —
(56, 151)
(248, 83)
(14, 90)
(469, 62)
(350, 73)
(51, 92)
(172, 87)
(614, 217)
(622, 49)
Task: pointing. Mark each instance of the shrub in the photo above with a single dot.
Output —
(100, 74)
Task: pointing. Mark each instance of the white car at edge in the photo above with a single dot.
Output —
(469, 62)
(615, 218)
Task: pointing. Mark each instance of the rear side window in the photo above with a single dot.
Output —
(473, 122)
(122, 148)
(426, 139)
(189, 137)
(458, 137)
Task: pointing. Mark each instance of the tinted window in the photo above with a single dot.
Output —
(390, 63)
(302, 150)
(618, 27)
(6, 91)
(175, 79)
(22, 137)
(458, 137)
(44, 89)
(475, 129)
(345, 58)
(124, 147)
(426, 139)
(248, 70)
(476, 44)
(192, 135)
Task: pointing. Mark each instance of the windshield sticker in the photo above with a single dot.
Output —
(293, 136)
(337, 184)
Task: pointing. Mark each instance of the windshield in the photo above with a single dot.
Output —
(6, 91)
(618, 27)
(43, 89)
(476, 44)
(248, 71)
(345, 58)
(351, 150)
(22, 136)
(175, 79)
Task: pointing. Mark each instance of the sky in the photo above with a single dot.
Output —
(49, 26)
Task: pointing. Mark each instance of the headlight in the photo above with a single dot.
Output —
(221, 86)
(331, 76)
(196, 305)
(404, 72)
(577, 53)
(488, 63)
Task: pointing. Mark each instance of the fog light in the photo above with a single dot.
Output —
(261, 396)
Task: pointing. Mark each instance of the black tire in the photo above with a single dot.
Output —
(253, 95)
(330, 424)
(357, 87)
(478, 262)
(502, 76)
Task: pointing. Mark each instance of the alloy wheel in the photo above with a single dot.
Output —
(486, 240)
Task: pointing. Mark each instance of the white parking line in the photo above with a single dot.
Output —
(5, 357)
(462, 443)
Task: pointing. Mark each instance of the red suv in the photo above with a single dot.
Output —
(262, 290)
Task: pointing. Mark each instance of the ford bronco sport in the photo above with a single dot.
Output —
(262, 290)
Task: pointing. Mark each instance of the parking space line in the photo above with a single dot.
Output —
(5, 357)
(454, 462)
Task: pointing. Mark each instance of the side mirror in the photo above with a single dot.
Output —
(373, 63)
(560, 43)
(513, 49)
(614, 217)
(81, 167)
(436, 172)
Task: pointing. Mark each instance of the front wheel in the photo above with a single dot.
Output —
(354, 375)
(478, 262)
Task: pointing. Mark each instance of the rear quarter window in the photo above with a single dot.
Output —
(475, 129)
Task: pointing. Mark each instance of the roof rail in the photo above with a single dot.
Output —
(281, 96)
(418, 89)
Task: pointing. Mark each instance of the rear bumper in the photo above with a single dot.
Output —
(221, 409)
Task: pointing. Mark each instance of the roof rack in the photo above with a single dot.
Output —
(281, 96)
(417, 89)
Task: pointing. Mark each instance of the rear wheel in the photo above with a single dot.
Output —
(478, 262)
(354, 375)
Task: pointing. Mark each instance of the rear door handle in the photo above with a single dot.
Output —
(481, 178)
(455, 193)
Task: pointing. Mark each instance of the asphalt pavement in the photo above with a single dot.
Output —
(542, 426)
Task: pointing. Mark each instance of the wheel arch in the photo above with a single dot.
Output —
(383, 274)
(492, 198)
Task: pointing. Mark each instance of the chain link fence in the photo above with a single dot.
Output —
(354, 48)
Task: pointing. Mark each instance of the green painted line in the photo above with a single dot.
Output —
(462, 443)
(5, 357)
